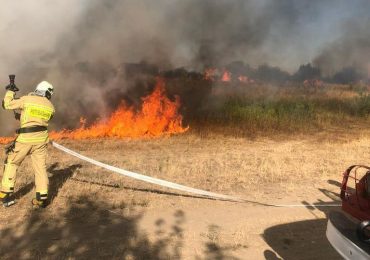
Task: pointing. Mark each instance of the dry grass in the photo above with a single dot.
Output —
(277, 170)
(224, 164)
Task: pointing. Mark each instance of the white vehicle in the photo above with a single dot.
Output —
(348, 230)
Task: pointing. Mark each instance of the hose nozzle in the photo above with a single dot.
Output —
(11, 78)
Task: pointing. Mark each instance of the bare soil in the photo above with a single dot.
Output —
(96, 214)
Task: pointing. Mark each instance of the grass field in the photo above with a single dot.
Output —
(96, 214)
(260, 109)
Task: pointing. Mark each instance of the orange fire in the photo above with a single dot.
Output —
(243, 79)
(210, 74)
(5, 140)
(158, 116)
(226, 76)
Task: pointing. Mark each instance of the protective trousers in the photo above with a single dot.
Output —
(14, 160)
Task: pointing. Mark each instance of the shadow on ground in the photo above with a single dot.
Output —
(213, 251)
(144, 190)
(300, 240)
(89, 229)
(57, 179)
(303, 239)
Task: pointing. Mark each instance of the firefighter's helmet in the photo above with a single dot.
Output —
(44, 89)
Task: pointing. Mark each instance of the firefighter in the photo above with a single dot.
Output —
(35, 111)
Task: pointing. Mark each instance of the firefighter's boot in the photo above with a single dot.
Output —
(41, 201)
(7, 198)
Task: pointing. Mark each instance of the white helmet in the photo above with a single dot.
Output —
(44, 89)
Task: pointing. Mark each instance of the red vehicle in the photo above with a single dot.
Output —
(348, 230)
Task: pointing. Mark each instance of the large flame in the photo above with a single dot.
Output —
(158, 116)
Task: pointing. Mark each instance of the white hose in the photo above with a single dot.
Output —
(176, 186)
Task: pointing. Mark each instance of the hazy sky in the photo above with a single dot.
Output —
(285, 33)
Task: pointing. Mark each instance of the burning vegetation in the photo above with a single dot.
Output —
(158, 116)
(235, 98)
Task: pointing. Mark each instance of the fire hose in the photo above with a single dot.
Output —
(172, 185)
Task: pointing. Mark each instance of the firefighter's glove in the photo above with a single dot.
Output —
(12, 87)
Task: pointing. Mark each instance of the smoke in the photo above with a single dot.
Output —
(351, 49)
(81, 47)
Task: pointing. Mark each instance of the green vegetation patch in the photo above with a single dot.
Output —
(288, 113)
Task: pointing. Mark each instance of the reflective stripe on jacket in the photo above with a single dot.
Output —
(35, 111)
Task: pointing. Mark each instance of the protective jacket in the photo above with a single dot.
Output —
(34, 111)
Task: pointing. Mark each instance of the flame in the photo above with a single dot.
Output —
(226, 76)
(213, 74)
(210, 74)
(158, 116)
(243, 79)
(5, 140)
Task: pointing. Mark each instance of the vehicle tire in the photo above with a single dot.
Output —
(363, 231)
